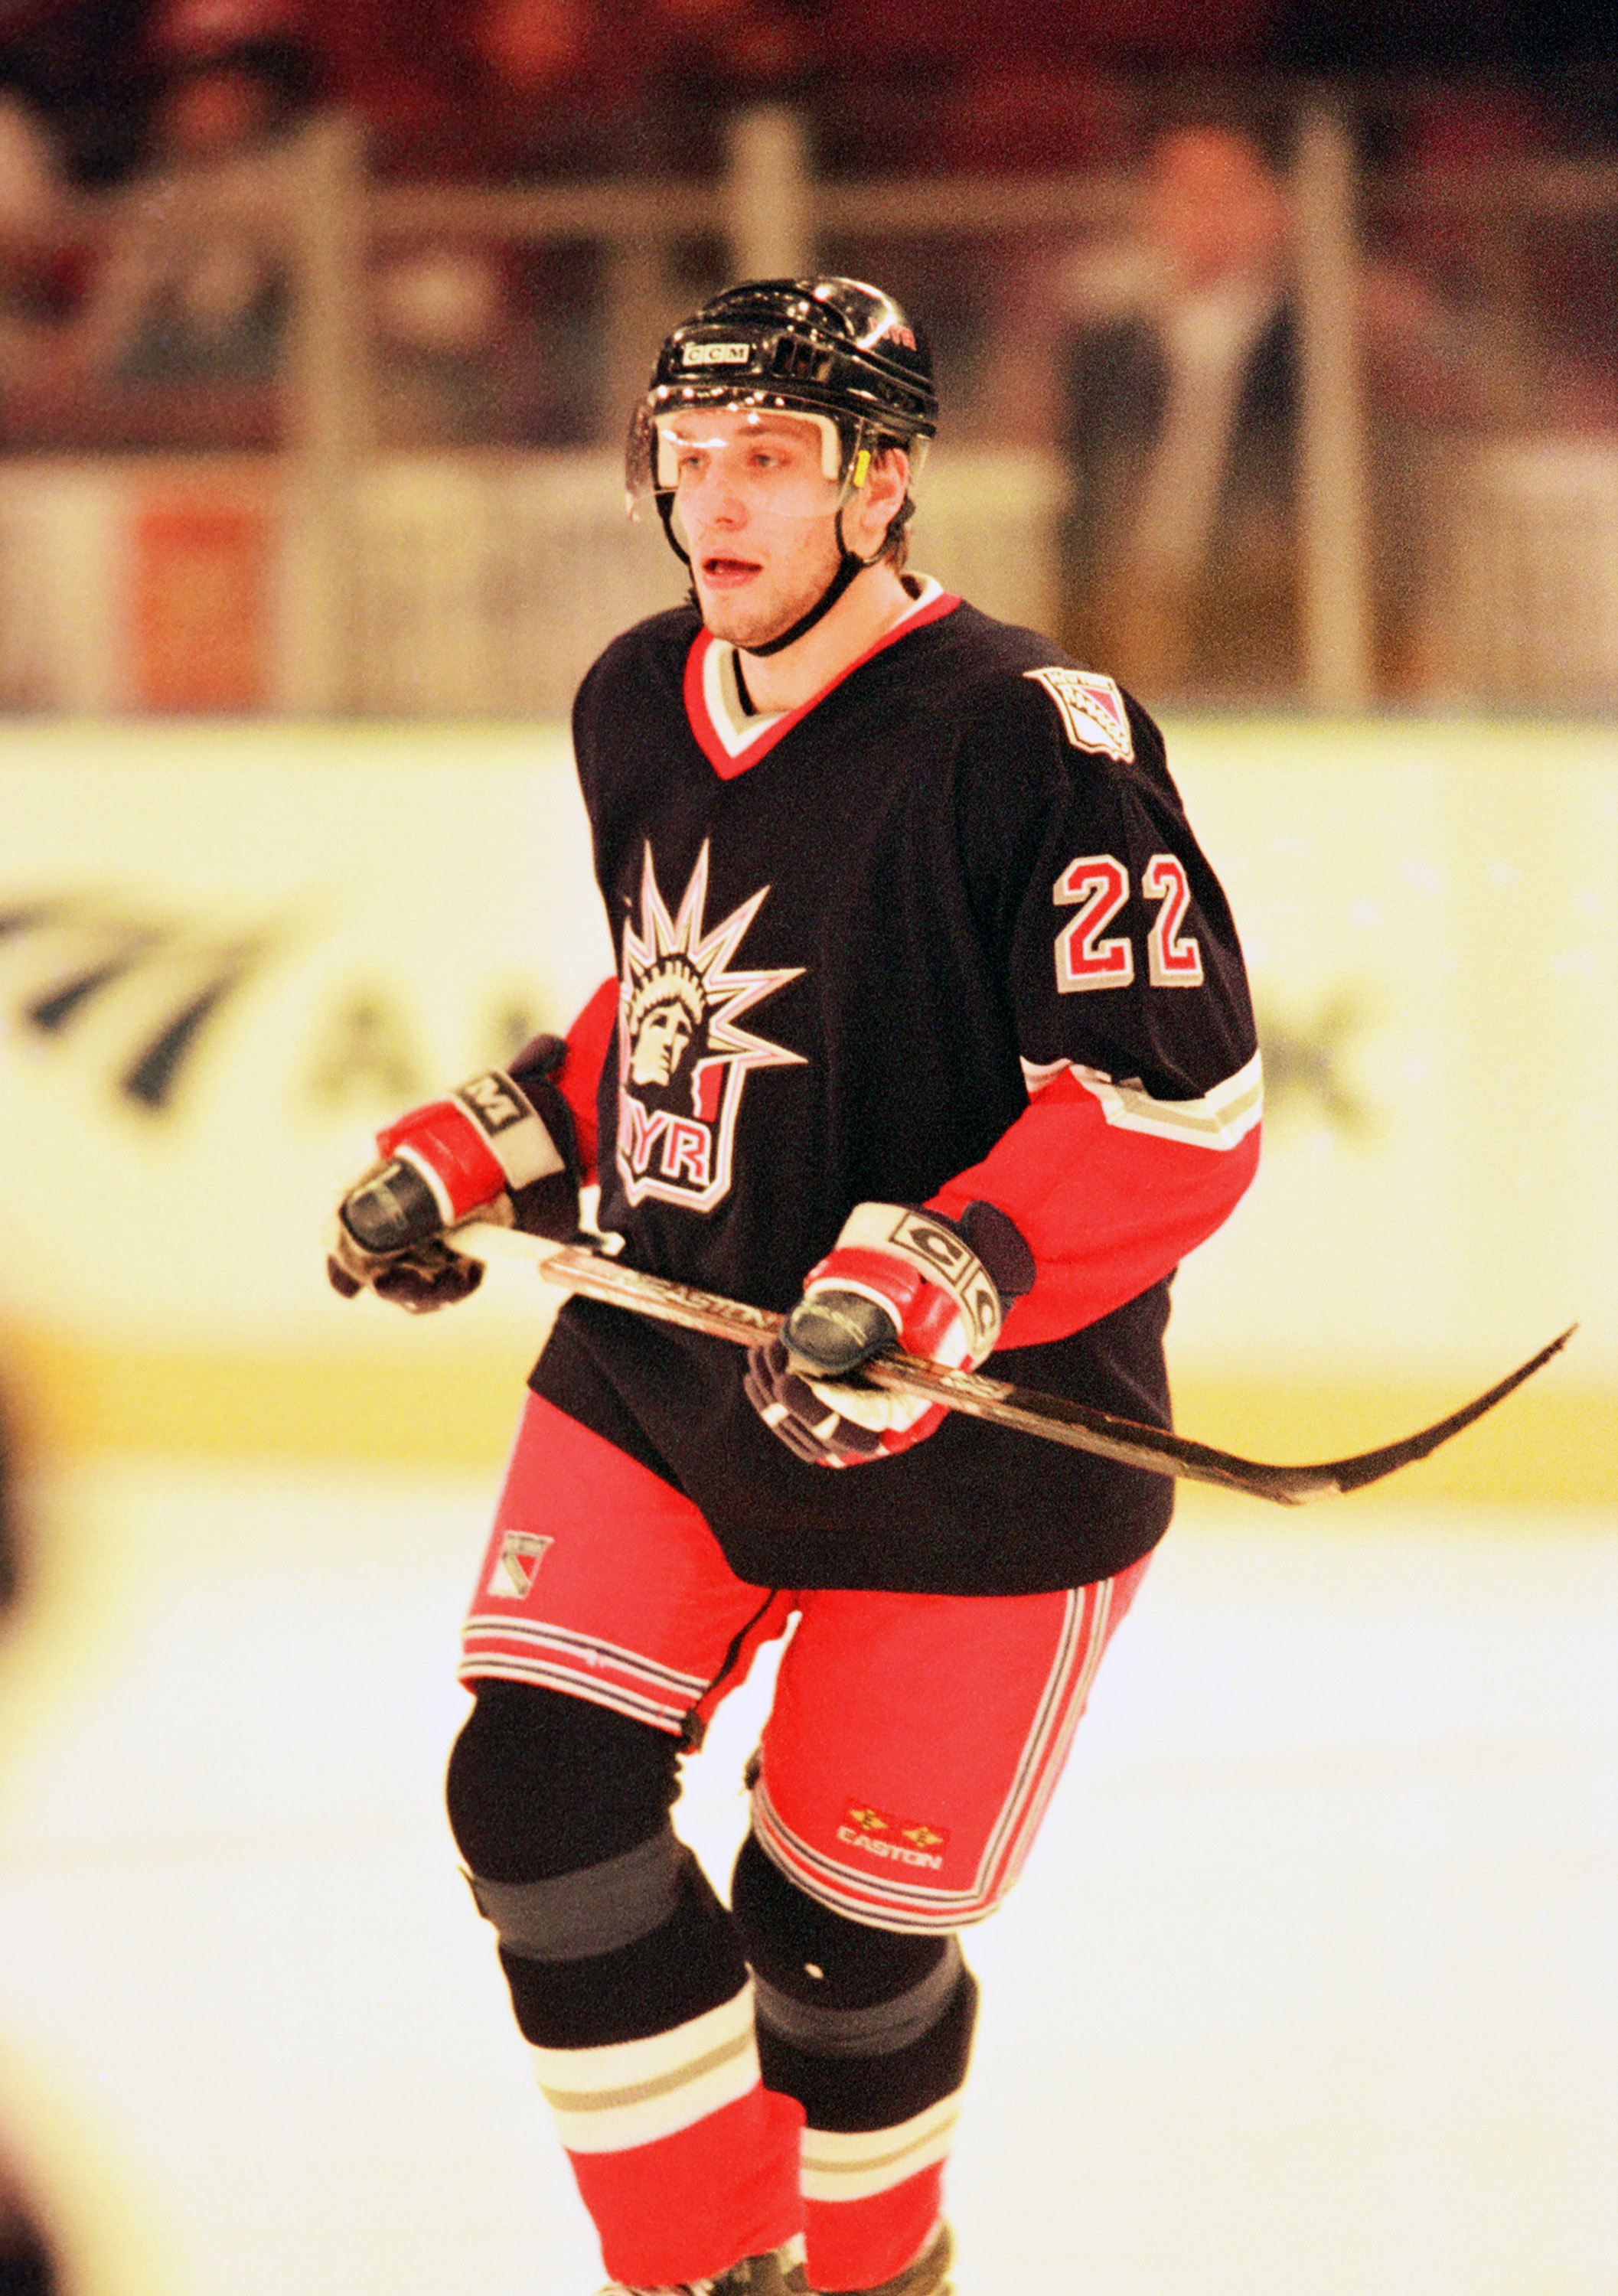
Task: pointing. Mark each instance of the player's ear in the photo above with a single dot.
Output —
(890, 480)
(877, 503)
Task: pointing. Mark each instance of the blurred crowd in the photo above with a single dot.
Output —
(147, 99)
(146, 299)
(496, 88)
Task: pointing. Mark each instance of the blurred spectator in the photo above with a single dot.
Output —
(30, 196)
(533, 47)
(490, 90)
(1004, 86)
(439, 317)
(709, 59)
(193, 286)
(480, 340)
(556, 86)
(79, 64)
(1164, 364)
(1478, 314)
(1480, 318)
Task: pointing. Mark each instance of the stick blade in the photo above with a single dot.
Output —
(1370, 1466)
(1162, 1453)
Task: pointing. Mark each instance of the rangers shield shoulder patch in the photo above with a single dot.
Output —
(1092, 709)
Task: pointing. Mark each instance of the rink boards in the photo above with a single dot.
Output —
(228, 951)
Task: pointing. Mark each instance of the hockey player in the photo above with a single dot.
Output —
(930, 1026)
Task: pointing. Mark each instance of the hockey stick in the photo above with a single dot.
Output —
(1029, 1409)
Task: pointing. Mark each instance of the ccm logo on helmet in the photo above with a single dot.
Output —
(716, 354)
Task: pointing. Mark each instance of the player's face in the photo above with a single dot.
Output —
(757, 514)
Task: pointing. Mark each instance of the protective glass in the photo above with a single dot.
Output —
(792, 461)
(789, 463)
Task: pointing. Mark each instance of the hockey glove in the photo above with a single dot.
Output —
(895, 1277)
(500, 1146)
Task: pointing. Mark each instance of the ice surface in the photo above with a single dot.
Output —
(1309, 1985)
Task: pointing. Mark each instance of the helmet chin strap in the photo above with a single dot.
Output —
(848, 566)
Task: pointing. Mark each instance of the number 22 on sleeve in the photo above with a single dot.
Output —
(1097, 886)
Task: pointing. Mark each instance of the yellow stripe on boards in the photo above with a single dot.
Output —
(1550, 1444)
(385, 1408)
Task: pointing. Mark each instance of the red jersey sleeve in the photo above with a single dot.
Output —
(1110, 1189)
(578, 1076)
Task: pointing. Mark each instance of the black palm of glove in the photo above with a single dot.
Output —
(815, 1430)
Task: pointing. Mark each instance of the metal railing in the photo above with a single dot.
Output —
(771, 214)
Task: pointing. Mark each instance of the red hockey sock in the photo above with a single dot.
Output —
(685, 2161)
(872, 2199)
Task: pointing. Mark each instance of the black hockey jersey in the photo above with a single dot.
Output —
(943, 934)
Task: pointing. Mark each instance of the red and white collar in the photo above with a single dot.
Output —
(732, 738)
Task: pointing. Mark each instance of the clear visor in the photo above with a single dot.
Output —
(792, 464)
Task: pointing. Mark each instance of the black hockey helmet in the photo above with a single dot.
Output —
(812, 346)
(837, 351)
